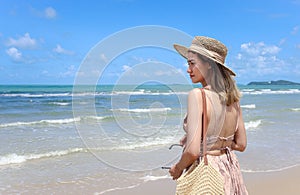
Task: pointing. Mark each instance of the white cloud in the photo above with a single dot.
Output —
(239, 56)
(45, 72)
(282, 41)
(58, 49)
(69, 73)
(103, 57)
(181, 71)
(138, 59)
(15, 54)
(24, 42)
(170, 72)
(50, 13)
(161, 73)
(141, 59)
(260, 59)
(295, 30)
(150, 72)
(259, 48)
(298, 46)
(126, 68)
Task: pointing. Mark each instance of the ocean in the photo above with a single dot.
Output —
(92, 140)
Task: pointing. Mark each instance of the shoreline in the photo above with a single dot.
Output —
(275, 183)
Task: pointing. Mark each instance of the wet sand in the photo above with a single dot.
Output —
(277, 182)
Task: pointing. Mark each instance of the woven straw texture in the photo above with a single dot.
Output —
(200, 179)
(208, 47)
(212, 45)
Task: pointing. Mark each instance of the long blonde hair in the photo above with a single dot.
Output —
(222, 82)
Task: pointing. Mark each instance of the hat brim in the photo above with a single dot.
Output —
(183, 51)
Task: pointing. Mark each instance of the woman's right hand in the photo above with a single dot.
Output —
(175, 172)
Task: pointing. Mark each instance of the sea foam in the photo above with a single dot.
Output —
(269, 91)
(252, 124)
(154, 178)
(142, 110)
(295, 109)
(39, 95)
(269, 170)
(17, 159)
(249, 106)
(60, 103)
(54, 121)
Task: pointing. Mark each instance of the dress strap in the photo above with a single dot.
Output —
(226, 138)
(204, 127)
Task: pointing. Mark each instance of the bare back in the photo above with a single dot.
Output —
(223, 122)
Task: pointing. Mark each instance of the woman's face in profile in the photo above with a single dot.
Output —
(197, 68)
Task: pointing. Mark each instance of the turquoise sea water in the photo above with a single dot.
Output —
(52, 137)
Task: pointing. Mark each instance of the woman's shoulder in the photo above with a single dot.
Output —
(195, 91)
(195, 94)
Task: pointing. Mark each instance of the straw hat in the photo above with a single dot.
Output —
(208, 47)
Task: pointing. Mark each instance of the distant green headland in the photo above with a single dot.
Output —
(279, 82)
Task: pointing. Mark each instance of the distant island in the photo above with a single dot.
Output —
(279, 82)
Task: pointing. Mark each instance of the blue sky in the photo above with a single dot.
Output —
(45, 42)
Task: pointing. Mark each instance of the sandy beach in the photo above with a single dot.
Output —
(277, 182)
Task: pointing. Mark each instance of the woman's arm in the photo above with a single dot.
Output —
(240, 140)
(193, 136)
(183, 141)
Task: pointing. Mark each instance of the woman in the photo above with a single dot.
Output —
(226, 130)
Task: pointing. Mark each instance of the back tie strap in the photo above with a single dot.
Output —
(225, 138)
